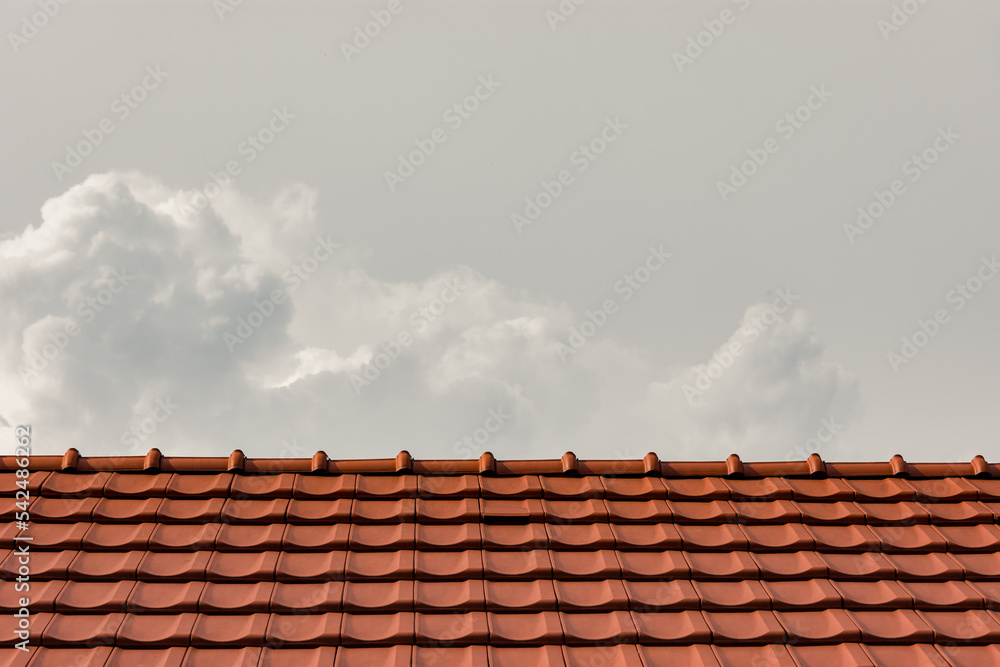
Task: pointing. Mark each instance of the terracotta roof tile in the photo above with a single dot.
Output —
(307, 598)
(176, 537)
(608, 594)
(324, 487)
(542, 656)
(375, 629)
(164, 657)
(65, 629)
(913, 654)
(535, 595)
(156, 629)
(317, 630)
(641, 489)
(237, 561)
(322, 656)
(153, 597)
(698, 655)
(848, 655)
(313, 566)
(157, 566)
(455, 628)
(647, 596)
(90, 596)
(451, 536)
(361, 596)
(671, 627)
(449, 595)
(536, 628)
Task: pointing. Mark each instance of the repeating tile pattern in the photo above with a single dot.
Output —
(564, 562)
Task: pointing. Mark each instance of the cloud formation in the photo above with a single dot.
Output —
(135, 320)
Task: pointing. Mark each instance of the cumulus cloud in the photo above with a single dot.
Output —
(136, 320)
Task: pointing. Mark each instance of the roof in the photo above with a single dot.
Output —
(155, 560)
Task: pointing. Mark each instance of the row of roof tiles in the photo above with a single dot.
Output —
(697, 655)
(487, 464)
(829, 626)
(65, 509)
(297, 485)
(500, 596)
(916, 538)
(501, 565)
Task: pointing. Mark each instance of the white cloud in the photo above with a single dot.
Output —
(445, 349)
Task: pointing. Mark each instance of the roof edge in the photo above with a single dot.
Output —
(568, 465)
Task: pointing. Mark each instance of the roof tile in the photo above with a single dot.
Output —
(827, 626)
(642, 488)
(178, 537)
(229, 630)
(262, 486)
(190, 510)
(90, 597)
(873, 594)
(847, 655)
(612, 627)
(319, 511)
(599, 564)
(913, 654)
(819, 490)
(199, 486)
(144, 630)
(844, 538)
(727, 565)
(799, 595)
(673, 627)
(529, 535)
(108, 565)
(383, 511)
(317, 630)
(382, 538)
(766, 511)
(459, 510)
(536, 628)
(754, 656)
(315, 487)
(380, 656)
(377, 629)
(647, 596)
(451, 536)
(378, 565)
(254, 511)
(969, 656)
(582, 536)
(43, 596)
(979, 566)
(791, 565)
(840, 512)
(697, 655)
(555, 488)
(867, 565)
(751, 627)
(765, 488)
(449, 595)
(886, 489)
(607, 656)
(527, 564)
(534, 595)
(251, 566)
(450, 565)
(61, 509)
(710, 511)
(155, 597)
(384, 488)
(322, 656)
(90, 629)
(518, 656)
(454, 628)
(924, 566)
(654, 537)
(976, 625)
(783, 537)
(231, 657)
(60, 657)
(608, 594)
(233, 537)
(638, 511)
(117, 537)
(126, 510)
(305, 567)
(367, 596)
(58, 484)
(307, 598)
(521, 486)
(902, 626)
(726, 595)
(157, 657)
(705, 488)
(236, 597)
(314, 537)
(448, 486)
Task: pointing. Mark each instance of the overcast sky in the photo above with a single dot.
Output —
(745, 226)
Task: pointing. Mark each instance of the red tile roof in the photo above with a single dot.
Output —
(159, 560)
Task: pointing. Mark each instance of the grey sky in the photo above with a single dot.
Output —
(878, 98)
